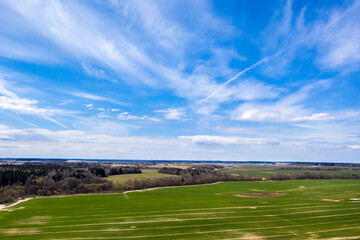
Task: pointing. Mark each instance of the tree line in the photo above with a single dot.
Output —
(313, 175)
(54, 179)
(40, 180)
(207, 166)
(317, 168)
(325, 164)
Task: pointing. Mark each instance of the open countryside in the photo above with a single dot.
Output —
(268, 170)
(179, 120)
(309, 209)
(146, 174)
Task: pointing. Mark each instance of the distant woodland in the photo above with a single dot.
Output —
(45, 179)
(17, 181)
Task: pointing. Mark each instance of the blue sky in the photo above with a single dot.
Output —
(168, 79)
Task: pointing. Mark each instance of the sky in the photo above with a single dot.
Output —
(180, 80)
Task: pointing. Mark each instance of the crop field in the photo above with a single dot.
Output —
(146, 174)
(300, 209)
(266, 170)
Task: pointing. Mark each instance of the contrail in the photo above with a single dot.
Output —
(233, 78)
(341, 16)
(54, 121)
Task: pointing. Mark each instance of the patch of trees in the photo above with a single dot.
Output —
(313, 175)
(207, 166)
(136, 184)
(326, 164)
(312, 168)
(105, 171)
(196, 176)
(124, 170)
(53, 179)
(183, 177)
(26, 173)
(20, 174)
(18, 181)
(47, 186)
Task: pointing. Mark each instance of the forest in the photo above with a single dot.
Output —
(34, 179)
(37, 179)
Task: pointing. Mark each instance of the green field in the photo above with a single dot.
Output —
(267, 170)
(266, 173)
(196, 212)
(146, 174)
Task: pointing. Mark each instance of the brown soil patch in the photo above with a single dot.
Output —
(245, 235)
(252, 236)
(330, 200)
(261, 195)
(35, 220)
(19, 231)
(113, 229)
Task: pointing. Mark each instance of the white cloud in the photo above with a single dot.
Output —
(314, 117)
(11, 101)
(151, 17)
(95, 72)
(89, 106)
(25, 52)
(287, 109)
(274, 115)
(259, 115)
(80, 32)
(168, 114)
(91, 96)
(354, 146)
(103, 115)
(331, 34)
(74, 30)
(327, 145)
(172, 113)
(128, 116)
(225, 140)
(341, 46)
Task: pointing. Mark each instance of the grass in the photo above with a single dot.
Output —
(195, 212)
(267, 170)
(266, 173)
(146, 174)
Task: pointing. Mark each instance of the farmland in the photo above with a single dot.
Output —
(299, 209)
(267, 170)
(146, 174)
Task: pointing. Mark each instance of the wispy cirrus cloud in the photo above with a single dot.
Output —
(331, 36)
(97, 72)
(77, 31)
(241, 94)
(12, 102)
(340, 47)
(95, 97)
